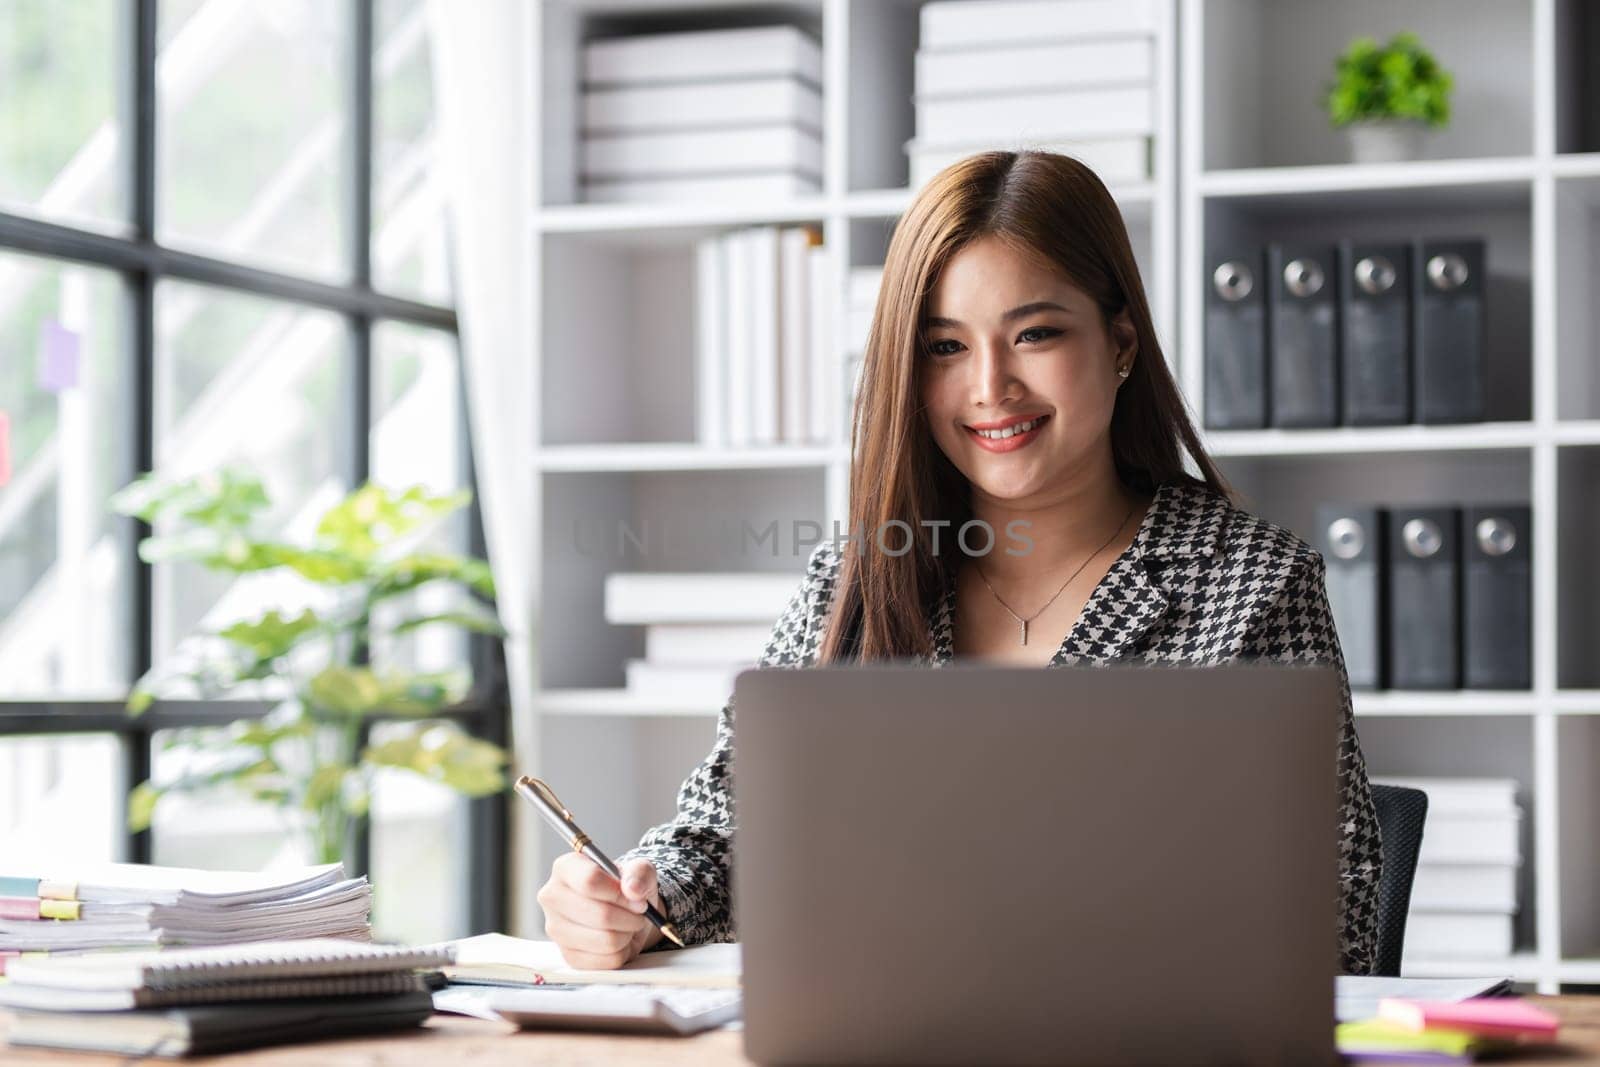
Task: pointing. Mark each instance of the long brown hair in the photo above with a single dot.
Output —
(1054, 209)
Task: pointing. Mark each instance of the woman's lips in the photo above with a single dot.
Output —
(1009, 444)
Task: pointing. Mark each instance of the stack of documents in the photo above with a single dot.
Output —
(763, 340)
(703, 629)
(180, 1001)
(1071, 76)
(1464, 898)
(120, 905)
(1443, 1031)
(708, 115)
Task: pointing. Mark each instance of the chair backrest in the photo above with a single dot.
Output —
(1401, 813)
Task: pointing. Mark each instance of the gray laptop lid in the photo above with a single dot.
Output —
(978, 864)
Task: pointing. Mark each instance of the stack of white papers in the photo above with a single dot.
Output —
(120, 905)
(1464, 899)
(708, 115)
(1070, 76)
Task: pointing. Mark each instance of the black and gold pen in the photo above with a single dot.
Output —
(544, 798)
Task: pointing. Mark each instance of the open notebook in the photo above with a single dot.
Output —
(495, 959)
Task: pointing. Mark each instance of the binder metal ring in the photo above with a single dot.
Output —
(1423, 538)
(1233, 280)
(1303, 277)
(1375, 275)
(1346, 538)
(1496, 536)
(1447, 271)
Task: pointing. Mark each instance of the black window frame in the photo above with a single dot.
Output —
(141, 261)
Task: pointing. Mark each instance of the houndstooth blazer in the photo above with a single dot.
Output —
(1203, 582)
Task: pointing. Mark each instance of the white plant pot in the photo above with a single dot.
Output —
(1386, 141)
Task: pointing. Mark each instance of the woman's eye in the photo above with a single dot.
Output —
(944, 347)
(1035, 334)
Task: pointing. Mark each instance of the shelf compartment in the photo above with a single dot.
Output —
(1266, 64)
(597, 524)
(1578, 591)
(1578, 788)
(618, 352)
(1577, 325)
(1577, 74)
(1468, 747)
(565, 26)
(1287, 489)
(1500, 214)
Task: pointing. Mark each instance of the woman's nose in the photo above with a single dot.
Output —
(993, 376)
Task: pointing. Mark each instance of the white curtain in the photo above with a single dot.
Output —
(486, 150)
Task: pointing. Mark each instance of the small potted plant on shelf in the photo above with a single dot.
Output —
(1387, 97)
(310, 756)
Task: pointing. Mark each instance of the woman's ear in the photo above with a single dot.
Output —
(1125, 341)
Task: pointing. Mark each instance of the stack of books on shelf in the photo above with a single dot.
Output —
(1070, 76)
(708, 116)
(182, 1001)
(1464, 898)
(763, 338)
(702, 629)
(862, 299)
(129, 906)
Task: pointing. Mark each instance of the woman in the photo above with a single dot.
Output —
(1012, 377)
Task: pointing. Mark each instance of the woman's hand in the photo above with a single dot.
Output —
(598, 924)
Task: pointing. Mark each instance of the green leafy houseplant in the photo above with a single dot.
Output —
(1399, 80)
(309, 755)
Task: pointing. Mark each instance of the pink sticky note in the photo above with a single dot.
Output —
(1486, 1016)
(5, 448)
(59, 349)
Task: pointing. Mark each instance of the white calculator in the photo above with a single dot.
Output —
(637, 1009)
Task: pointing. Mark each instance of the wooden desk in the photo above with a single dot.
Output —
(449, 1039)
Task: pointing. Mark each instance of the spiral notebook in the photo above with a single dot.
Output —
(178, 970)
(48, 998)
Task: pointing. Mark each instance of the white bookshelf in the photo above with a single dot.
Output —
(1241, 152)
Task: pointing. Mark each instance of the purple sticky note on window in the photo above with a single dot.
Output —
(58, 356)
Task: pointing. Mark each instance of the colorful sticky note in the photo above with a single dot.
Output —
(59, 349)
(5, 448)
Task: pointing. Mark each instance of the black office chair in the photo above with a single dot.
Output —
(1401, 813)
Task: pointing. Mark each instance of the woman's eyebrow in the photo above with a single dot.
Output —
(1019, 312)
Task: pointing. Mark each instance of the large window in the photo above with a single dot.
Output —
(222, 240)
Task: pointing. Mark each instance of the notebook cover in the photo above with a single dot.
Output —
(218, 1028)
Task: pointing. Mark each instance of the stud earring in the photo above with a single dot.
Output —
(1124, 372)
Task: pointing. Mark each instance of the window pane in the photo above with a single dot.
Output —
(419, 830)
(63, 580)
(252, 130)
(408, 228)
(60, 150)
(257, 383)
(60, 801)
(217, 830)
(418, 439)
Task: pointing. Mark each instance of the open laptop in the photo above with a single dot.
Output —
(981, 864)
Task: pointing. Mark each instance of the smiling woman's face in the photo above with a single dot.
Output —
(1004, 341)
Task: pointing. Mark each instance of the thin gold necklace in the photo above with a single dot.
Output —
(1024, 622)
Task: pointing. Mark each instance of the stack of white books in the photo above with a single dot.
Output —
(125, 905)
(763, 338)
(1070, 76)
(1464, 898)
(702, 629)
(710, 115)
(861, 299)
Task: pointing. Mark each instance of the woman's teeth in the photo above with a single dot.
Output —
(1010, 431)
